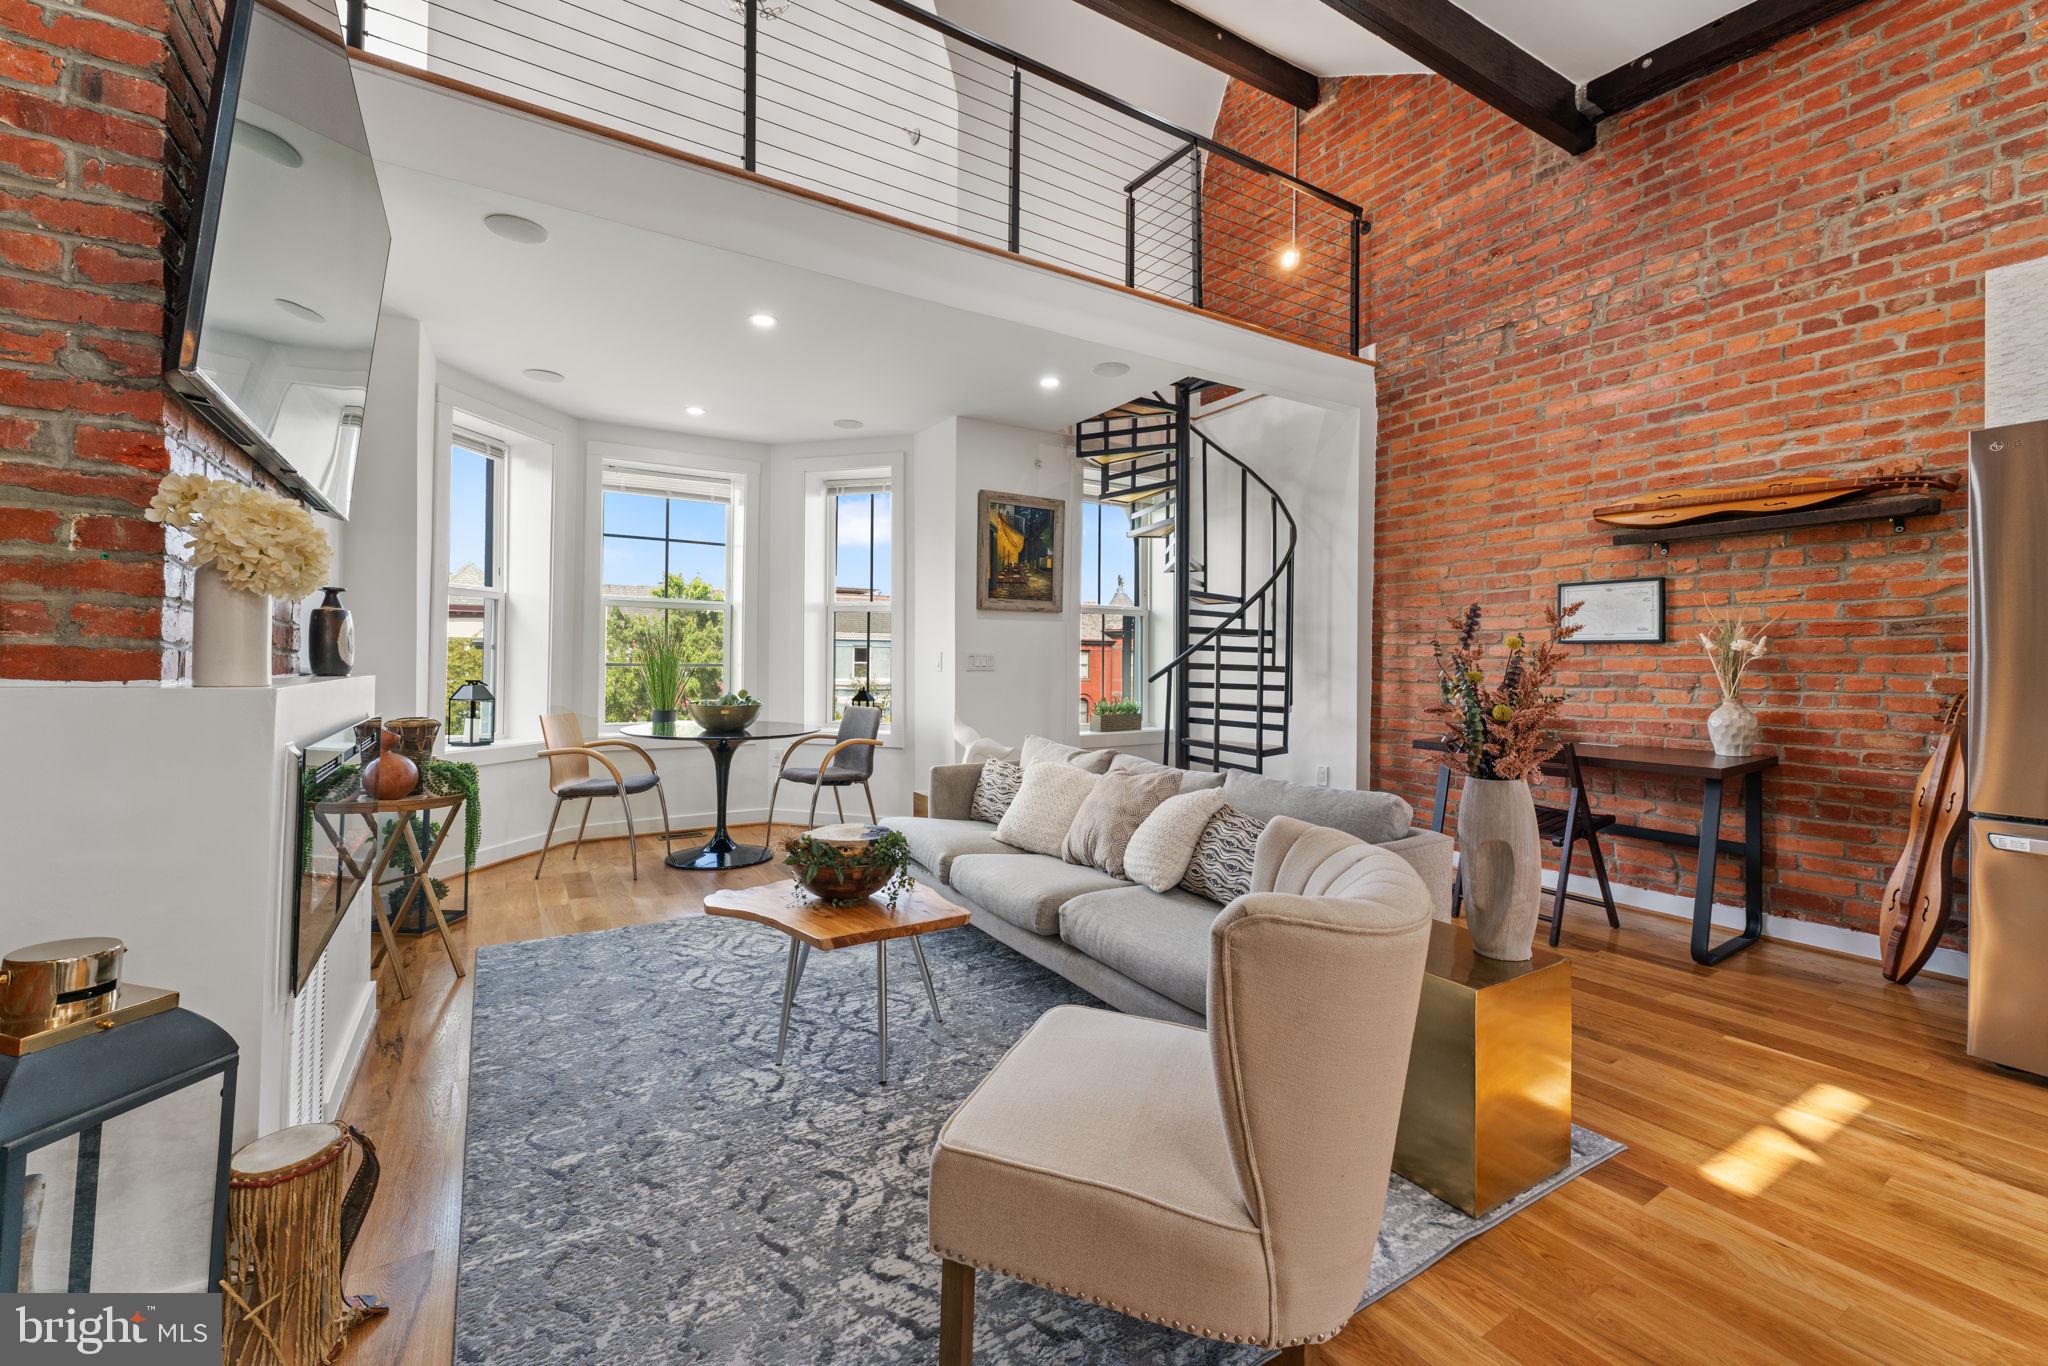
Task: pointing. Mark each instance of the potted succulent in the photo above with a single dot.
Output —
(1497, 736)
(1117, 715)
(727, 714)
(844, 864)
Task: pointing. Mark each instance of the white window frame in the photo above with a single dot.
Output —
(834, 487)
(496, 534)
(619, 476)
(1135, 615)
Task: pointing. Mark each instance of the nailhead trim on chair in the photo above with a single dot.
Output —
(1174, 1324)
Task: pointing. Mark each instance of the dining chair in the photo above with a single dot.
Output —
(849, 763)
(569, 758)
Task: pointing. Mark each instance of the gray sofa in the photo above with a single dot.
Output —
(1143, 952)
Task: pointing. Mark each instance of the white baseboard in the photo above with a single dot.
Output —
(362, 1025)
(1834, 938)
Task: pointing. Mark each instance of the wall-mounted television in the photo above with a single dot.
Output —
(276, 309)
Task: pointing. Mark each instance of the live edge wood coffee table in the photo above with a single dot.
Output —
(811, 924)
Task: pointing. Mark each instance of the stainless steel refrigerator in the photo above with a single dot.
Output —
(2008, 746)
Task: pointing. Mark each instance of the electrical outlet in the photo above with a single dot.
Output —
(981, 664)
(1322, 775)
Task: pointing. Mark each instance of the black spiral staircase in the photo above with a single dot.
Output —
(1231, 543)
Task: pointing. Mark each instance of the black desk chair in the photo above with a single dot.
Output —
(1564, 827)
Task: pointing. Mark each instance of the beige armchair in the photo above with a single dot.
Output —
(1226, 1183)
(569, 758)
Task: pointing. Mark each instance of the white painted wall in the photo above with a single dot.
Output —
(388, 543)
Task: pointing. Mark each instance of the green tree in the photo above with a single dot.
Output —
(700, 632)
(465, 661)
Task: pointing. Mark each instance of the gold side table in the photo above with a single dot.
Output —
(1488, 1109)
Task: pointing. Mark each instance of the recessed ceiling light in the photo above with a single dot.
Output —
(851, 424)
(265, 143)
(694, 411)
(300, 311)
(543, 376)
(513, 228)
(1110, 369)
(764, 321)
(1048, 381)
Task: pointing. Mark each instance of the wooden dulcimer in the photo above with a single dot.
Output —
(1676, 506)
(1921, 893)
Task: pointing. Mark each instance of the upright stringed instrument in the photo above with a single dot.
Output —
(1675, 506)
(1921, 893)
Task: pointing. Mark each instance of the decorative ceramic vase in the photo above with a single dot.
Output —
(1732, 728)
(1500, 866)
(331, 637)
(390, 776)
(230, 633)
(860, 877)
(727, 720)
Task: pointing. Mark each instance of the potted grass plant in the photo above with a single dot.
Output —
(1497, 736)
(1116, 716)
(661, 664)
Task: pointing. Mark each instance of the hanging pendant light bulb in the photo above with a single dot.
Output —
(1290, 255)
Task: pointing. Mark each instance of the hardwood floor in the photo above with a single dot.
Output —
(1815, 1171)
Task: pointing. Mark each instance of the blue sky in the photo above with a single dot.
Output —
(852, 561)
(467, 497)
(1107, 554)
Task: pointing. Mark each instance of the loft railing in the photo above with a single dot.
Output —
(885, 105)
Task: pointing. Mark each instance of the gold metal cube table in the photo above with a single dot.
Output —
(1488, 1109)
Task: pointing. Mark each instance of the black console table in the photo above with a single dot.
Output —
(1713, 772)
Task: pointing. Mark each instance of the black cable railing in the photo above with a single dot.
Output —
(887, 106)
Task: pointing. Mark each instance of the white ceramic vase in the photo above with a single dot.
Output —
(1500, 866)
(1732, 727)
(230, 634)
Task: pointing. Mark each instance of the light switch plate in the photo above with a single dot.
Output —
(981, 664)
(1322, 775)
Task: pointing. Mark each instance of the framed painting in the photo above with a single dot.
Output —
(1616, 611)
(1020, 560)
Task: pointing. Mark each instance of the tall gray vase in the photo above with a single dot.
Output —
(1500, 866)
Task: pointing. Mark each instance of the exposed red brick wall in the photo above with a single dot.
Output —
(102, 109)
(1778, 267)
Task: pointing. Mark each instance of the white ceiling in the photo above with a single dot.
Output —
(1580, 38)
(644, 326)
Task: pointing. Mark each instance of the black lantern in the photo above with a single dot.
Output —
(116, 1117)
(472, 715)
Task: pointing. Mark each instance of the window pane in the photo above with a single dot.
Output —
(1109, 557)
(632, 569)
(699, 636)
(1110, 659)
(470, 621)
(632, 514)
(469, 517)
(695, 571)
(691, 520)
(860, 658)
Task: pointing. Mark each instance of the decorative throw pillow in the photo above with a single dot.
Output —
(1039, 750)
(994, 790)
(1221, 868)
(1191, 779)
(1158, 854)
(1112, 814)
(1043, 812)
(982, 750)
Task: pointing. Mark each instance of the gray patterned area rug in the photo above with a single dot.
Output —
(643, 1184)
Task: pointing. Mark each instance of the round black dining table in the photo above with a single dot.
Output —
(721, 850)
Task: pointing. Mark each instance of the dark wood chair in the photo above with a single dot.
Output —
(1563, 827)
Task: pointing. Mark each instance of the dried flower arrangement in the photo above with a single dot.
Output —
(1503, 732)
(261, 542)
(1732, 645)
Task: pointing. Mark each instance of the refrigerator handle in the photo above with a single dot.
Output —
(2018, 844)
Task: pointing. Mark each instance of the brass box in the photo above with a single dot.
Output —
(1488, 1109)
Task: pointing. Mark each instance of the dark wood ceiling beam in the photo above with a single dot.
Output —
(1707, 48)
(1472, 56)
(1191, 35)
